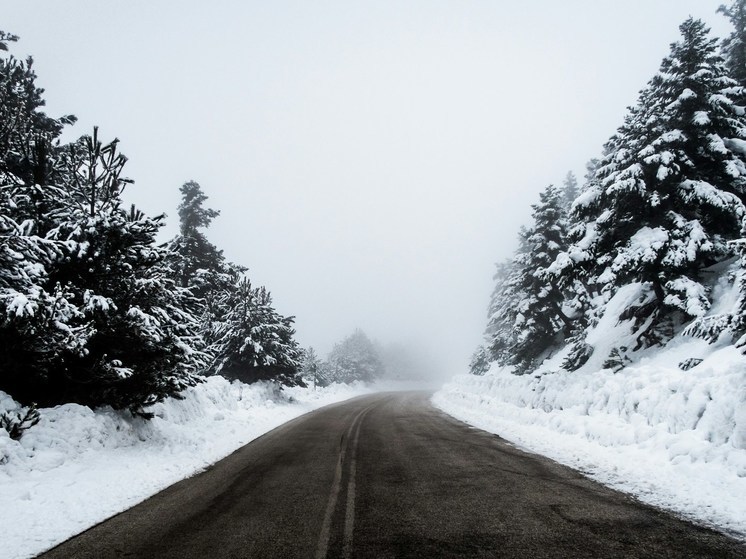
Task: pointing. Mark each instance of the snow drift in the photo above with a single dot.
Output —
(674, 438)
(78, 467)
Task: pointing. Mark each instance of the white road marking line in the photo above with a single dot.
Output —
(350, 507)
(323, 545)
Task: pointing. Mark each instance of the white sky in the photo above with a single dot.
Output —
(371, 160)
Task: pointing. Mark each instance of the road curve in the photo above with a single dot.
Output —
(390, 476)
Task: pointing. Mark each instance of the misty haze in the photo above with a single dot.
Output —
(373, 279)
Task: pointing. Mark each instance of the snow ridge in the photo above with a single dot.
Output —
(78, 467)
(674, 438)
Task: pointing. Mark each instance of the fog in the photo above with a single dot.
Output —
(371, 160)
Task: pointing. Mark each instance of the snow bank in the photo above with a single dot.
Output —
(675, 439)
(78, 467)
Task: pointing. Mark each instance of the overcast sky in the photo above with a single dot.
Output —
(371, 160)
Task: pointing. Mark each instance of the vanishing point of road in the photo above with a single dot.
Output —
(389, 476)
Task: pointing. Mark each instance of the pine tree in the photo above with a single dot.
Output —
(527, 315)
(734, 46)
(542, 322)
(106, 325)
(313, 369)
(138, 339)
(197, 259)
(354, 359)
(669, 194)
(480, 361)
(246, 338)
(501, 332)
(253, 342)
(86, 312)
(570, 187)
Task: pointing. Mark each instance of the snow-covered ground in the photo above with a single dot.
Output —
(78, 467)
(673, 438)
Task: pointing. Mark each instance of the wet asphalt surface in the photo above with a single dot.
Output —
(389, 476)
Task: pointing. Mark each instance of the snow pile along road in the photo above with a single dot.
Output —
(673, 438)
(78, 467)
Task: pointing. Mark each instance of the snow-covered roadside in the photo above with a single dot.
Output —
(675, 439)
(78, 467)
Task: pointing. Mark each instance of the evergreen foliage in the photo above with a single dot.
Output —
(92, 309)
(253, 342)
(663, 205)
(313, 369)
(480, 361)
(354, 359)
(98, 322)
(197, 258)
(571, 191)
(501, 332)
(16, 424)
(669, 195)
(246, 338)
(734, 45)
(527, 317)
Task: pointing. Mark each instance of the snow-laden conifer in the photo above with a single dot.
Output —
(87, 313)
(734, 45)
(526, 314)
(136, 339)
(197, 257)
(354, 359)
(570, 190)
(502, 314)
(541, 320)
(245, 336)
(669, 194)
(252, 341)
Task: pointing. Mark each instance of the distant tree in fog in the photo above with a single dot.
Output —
(354, 358)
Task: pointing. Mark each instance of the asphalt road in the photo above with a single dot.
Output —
(390, 476)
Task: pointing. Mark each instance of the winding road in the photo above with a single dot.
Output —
(389, 476)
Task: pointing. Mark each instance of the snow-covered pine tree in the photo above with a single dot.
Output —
(196, 255)
(479, 363)
(28, 136)
(526, 315)
(313, 369)
(136, 338)
(253, 341)
(669, 195)
(570, 190)
(29, 310)
(577, 286)
(734, 45)
(246, 338)
(99, 323)
(501, 331)
(198, 265)
(541, 321)
(354, 358)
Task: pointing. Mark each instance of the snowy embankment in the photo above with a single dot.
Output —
(673, 438)
(78, 467)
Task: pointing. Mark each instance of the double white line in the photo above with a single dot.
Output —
(348, 443)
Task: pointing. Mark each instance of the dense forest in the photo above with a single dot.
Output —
(659, 214)
(93, 309)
